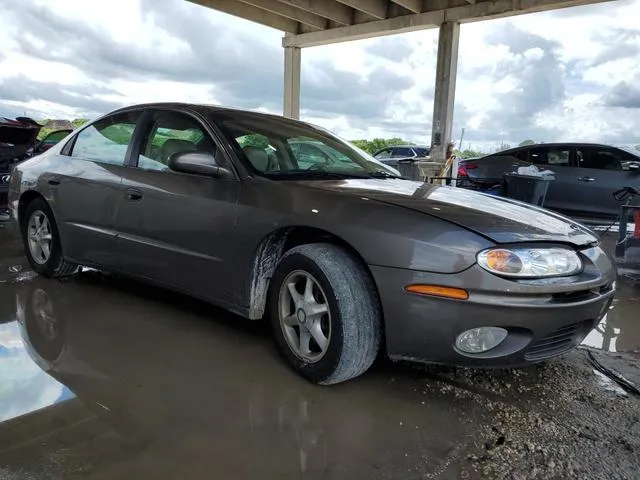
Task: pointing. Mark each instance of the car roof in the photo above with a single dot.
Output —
(556, 144)
(202, 109)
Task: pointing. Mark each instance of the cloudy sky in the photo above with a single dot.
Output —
(572, 75)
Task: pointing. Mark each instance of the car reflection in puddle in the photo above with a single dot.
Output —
(163, 390)
(25, 387)
(619, 330)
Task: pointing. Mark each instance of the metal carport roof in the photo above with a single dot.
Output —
(308, 23)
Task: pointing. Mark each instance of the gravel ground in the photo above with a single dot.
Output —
(553, 421)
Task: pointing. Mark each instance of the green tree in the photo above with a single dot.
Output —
(524, 143)
(254, 140)
(78, 122)
(372, 146)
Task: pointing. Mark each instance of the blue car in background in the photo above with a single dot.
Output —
(391, 155)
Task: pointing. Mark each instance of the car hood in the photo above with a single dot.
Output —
(500, 220)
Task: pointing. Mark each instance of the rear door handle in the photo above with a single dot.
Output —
(133, 195)
(586, 179)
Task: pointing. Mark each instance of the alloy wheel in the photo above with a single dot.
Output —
(305, 317)
(40, 237)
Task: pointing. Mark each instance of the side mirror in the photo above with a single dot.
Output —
(200, 163)
(634, 166)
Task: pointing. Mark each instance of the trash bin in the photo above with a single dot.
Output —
(408, 168)
(527, 188)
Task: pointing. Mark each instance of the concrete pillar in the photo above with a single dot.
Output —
(292, 57)
(445, 91)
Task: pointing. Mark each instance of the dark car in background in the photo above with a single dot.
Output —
(19, 141)
(586, 175)
(391, 155)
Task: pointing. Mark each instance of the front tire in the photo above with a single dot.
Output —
(325, 313)
(42, 242)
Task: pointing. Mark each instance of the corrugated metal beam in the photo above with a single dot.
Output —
(330, 9)
(413, 5)
(392, 26)
(482, 10)
(375, 8)
(293, 13)
(248, 12)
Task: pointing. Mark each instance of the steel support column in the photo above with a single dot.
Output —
(292, 58)
(445, 91)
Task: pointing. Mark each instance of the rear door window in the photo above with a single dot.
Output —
(107, 140)
(551, 156)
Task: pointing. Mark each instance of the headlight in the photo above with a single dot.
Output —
(530, 262)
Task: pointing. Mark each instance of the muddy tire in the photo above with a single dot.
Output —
(42, 242)
(325, 313)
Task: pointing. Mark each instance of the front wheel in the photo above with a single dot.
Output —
(325, 313)
(42, 242)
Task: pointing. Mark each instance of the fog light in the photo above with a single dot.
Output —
(479, 340)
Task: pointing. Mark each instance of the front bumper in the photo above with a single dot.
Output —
(544, 318)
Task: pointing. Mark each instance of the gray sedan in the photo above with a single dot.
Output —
(344, 258)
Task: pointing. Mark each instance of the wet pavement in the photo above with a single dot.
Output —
(103, 377)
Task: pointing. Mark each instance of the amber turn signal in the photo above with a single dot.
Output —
(437, 291)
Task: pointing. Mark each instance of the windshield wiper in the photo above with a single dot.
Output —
(312, 174)
(383, 174)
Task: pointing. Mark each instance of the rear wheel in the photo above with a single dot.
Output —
(325, 313)
(42, 241)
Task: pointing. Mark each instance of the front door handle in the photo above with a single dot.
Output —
(586, 179)
(133, 195)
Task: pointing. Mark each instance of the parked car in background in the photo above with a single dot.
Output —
(310, 153)
(339, 256)
(391, 155)
(586, 175)
(18, 141)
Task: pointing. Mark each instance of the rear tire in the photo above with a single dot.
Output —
(42, 242)
(325, 313)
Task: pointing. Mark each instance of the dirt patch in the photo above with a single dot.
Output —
(554, 421)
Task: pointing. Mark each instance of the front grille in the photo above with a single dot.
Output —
(558, 342)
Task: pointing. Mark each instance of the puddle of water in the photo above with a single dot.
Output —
(608, 384)
(619, 330)
(24, 386)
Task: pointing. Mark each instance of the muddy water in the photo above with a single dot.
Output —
(109, 378)
(619, 331)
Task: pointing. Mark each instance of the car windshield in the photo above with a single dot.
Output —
(281, 148)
